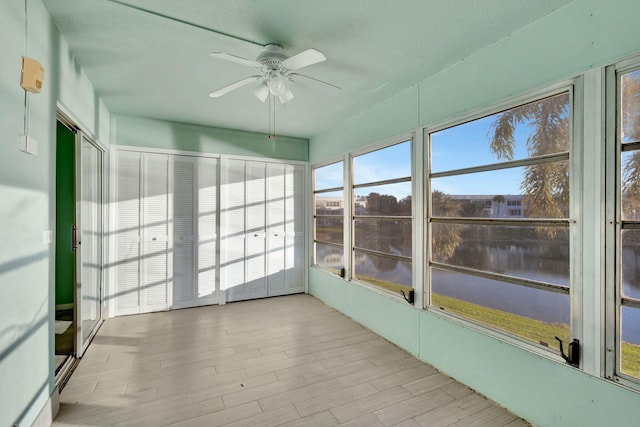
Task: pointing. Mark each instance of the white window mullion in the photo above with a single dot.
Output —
(348, 216)
(576, 223)
(590, 228)
(418, 173)
(612, 227)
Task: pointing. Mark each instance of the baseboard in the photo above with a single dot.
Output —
(48, 411)
(64, 306)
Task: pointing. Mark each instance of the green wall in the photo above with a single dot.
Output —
(579, 38)
(149, 133)
(65, 214)
(27, 207)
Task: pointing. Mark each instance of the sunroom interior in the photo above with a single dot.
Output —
(458, 179)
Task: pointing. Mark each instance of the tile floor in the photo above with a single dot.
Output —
(290, 361)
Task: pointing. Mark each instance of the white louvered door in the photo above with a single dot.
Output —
(127, 232)
(255, 185)
(263, 245)
(155, 284)
(276, 229)
(184, 284)
(294, 228)
(232, 271)
(207, 184)
(172, 240)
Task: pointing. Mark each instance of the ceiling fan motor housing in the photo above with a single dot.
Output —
(271, 56)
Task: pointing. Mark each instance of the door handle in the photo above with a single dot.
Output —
(74, 238)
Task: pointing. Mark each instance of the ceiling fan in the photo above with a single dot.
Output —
(276, 72)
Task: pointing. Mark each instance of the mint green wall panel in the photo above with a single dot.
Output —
(541, 390)
(25, 212)
(392, 319)
(395, 116)
(565, 43)
(27, 192)
(149, 133)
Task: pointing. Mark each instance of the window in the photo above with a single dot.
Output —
(382, 222)
(627, 292)
(328, 218)
(503, 267)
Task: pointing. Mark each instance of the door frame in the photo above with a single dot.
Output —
(81, 345)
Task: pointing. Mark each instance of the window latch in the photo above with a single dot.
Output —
(573, 352)
(409, 298)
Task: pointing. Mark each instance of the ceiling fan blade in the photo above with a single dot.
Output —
(304, 59)
(236, 59)
(234, 86)
(262, 92)
(327, 85)
(286, 97)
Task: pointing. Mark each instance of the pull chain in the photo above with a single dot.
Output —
(272, 117)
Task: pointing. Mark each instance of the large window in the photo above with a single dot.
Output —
(382, 225)
(498, 220)
(328, 217)
(627, 292)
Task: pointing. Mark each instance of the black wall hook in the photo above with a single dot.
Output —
(573, 352)
(411, 298)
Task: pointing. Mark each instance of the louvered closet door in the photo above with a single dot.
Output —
(294, 228)
(155, 285)
(184, 286)
(127, 232)
(232, 270)
(276, 229)
(255, 198)
(207, 174)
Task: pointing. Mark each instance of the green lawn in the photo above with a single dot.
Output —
(631, 359)
(533, 330)
(393, 287)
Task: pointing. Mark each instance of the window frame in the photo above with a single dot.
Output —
(574, 88)
(314, 215)
(381, 145)
(615, 224)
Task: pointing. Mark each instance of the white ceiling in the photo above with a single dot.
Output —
(147, 65)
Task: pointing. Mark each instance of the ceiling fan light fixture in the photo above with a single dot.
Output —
(277, 86)
(286, 96)
(262, 92)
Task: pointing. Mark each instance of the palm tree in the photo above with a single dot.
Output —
(547, 184)
(446, 237)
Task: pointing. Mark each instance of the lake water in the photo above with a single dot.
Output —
(533, 303)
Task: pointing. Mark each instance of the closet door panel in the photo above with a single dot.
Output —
(232, 270)
(234, 218)
(183, 232)
(155, 266)
(276, 228)
(255, 210)
(295, 264)
(295, 220)
(207, 174)
(127, 233)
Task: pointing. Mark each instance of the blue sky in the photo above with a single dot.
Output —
(462, 146)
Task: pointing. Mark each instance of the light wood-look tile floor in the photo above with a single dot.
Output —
(289, 361)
